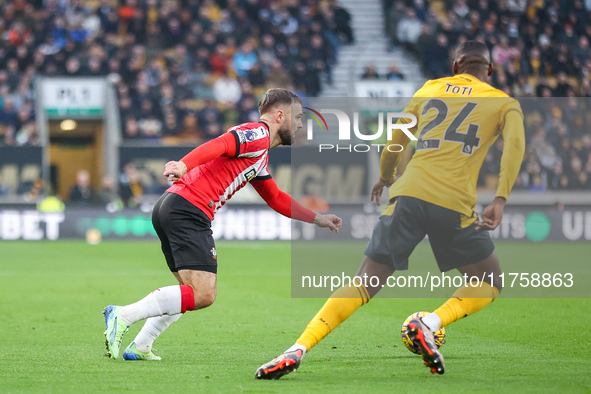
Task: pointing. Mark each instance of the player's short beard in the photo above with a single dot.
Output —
(285, 135)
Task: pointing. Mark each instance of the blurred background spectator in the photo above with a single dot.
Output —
(82, 192)
(107, 193)
(130, 186)
(342, 21)
(4, 190)
(394, 74)
(370, 73)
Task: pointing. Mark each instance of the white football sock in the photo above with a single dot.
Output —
(153, 327)
(162, 301)
(432, 321)
(297, 346)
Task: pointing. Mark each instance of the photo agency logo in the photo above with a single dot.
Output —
(344, 130)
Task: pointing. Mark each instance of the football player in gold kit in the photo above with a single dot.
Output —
(459, 118)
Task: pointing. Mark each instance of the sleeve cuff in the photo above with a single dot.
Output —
(237, 142)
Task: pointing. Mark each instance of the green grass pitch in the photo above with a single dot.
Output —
(52, 295)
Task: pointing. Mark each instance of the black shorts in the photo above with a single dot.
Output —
(405, 222)
(185, 233)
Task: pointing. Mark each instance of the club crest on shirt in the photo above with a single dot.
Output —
(214, 253)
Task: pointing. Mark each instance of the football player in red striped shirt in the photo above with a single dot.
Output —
(204, 180)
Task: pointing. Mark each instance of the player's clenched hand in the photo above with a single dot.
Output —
(175, 168)
(492, 215)
(331, 221)
(376, 192)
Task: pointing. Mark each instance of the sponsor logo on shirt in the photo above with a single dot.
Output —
(250, 174)
(250, 135)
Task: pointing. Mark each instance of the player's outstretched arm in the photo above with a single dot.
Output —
(513, 150)
(389, 160)
(284, 204)
(224, 145)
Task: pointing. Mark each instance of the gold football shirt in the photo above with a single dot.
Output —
(459, 118)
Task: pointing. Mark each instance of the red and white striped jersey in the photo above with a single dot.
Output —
(210, 185)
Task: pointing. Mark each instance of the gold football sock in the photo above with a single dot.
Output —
(339, 307)
(466, 301)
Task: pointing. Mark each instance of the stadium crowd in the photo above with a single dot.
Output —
(199, 68)
(558, 149)
(186, 69)
(183, 69)
(540, 48)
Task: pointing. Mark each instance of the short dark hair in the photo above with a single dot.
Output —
(474, 50)
(276, 96)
